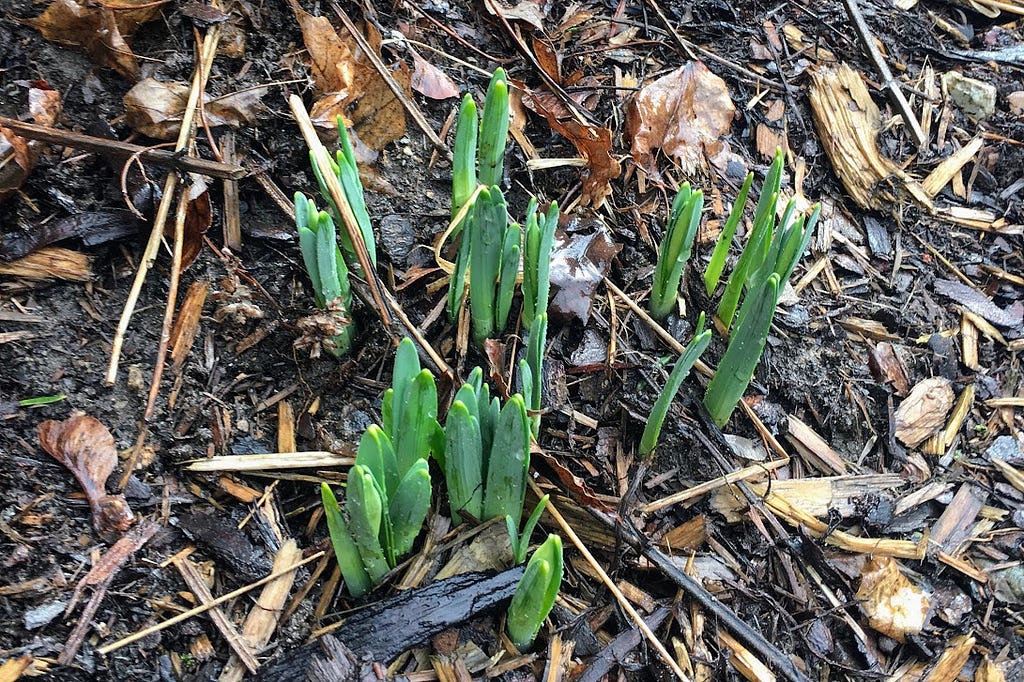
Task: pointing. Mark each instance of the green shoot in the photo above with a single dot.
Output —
(536, 593)
(531, 370)
(540, 236)
(326, 268)
(693, 351)
(716, 265)
(521, 543)
(675, 250)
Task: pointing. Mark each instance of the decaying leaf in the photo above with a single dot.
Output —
(18, 155)
(86, 448)
(98, 29)
(198, 218)
(685, 114)
(579, 261)
(594, 144)
(894, 606)
(924, 411)
(430, 81)
(155, 108)
(350, 86)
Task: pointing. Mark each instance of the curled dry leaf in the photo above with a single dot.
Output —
(924, 411)
(155, 108)
(198, 218)
(18, 155)
(86, 448)
(592, 142)
(98, 29)
(579, 261)
(430, 81)
(894, 606)
(685, 114)
(350, 86)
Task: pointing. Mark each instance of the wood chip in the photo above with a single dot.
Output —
(745, 662)
(813, 496)
(894, 606)
(186, 323)
(50, 263)
(950, 166)
(954, 526)
(813, 448)
(924, 410)
(940, 442)
(313, 459)
(952, 660)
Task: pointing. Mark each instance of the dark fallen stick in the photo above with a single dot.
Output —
(123, 150)
(384, 630)
(617, 649)
(748, 636)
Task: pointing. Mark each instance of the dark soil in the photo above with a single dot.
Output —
(814, 368)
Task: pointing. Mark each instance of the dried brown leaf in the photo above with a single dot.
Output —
(430, 81)
(351, 87)
(155, 108)
(84, 445)
(594, 144)
(894, 606)
(685, 114)
(579, 262)
(98, 30)
(529, 11)
(198, 218)
(924, 411)
(17, 155)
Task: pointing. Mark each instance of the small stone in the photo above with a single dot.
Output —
(1006, 449)
(1015, 100)
(43, 614)
(397, 238)
(974, 97)
(136, 380)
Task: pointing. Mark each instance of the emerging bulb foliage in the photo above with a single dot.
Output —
(535, 594)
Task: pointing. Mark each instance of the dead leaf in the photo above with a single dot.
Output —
(685, 114)
(592, 142)
(430, 81)
(894, 606)
(98, 30)
(17, 155)
(579, 262)
(84, 445)
(350, 85)
(924, 411)
(529, 11)
(155, 108)
(198, 218)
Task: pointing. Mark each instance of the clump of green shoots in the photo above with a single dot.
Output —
(328, 273)
(772, 251)
(535, 594)
(327, 264)
(388, 493)
(490, 247)
(487, 453)
(675, 250)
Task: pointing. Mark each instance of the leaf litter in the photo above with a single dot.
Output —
(897, 489)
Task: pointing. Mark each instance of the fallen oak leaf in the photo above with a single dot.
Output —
(98, 30)
(84, 445)
(17, 155)
(155, 108)
(685, 114)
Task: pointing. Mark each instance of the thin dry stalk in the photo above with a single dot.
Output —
(203, 608)
(714, 484)
(206, 55)
(610, 584)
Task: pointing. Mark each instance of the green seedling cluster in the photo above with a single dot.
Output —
(535, 594)
(327, 269)
(766, 263)
(676, 247)
(389, 489)
(490, 248)
(345, 168)
(699, 343)
(487, 453)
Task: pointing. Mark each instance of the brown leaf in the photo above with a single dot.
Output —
(155, 108)
(894, 606)
(592, 142)
(530, 11)
(17, 155)
(330, 57)
(924, 411)
(198, 218)
(579, 261)
(430, 81)
(84, 445)
(685, 114)
(98, 30)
